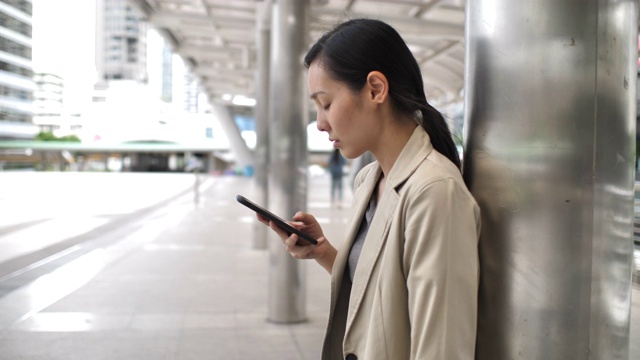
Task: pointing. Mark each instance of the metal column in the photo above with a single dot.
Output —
(261, 153)
(550, 144)
(287, 177)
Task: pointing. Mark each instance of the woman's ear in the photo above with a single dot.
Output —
(377, 87)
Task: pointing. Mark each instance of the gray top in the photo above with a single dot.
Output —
(356, 248)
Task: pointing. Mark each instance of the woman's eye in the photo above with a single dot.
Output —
(326, 107)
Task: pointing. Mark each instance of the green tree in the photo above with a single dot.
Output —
(49, 136)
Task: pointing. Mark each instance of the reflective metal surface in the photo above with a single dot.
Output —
(550, 138)
(636, 266)
(287, 178)
(261, 152)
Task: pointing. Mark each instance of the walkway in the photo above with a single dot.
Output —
(180, 282)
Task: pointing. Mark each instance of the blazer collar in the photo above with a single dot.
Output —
(414, 152)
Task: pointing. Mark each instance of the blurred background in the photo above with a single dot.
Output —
(135, 85)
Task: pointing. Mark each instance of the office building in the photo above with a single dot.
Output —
(191, 93)
(48, 101)
(16, 70)
(166, 73)
(121, 36)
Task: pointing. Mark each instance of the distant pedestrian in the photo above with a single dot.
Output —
(336, 168)
(193, 165)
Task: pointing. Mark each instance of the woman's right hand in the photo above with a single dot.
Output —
(323, 252)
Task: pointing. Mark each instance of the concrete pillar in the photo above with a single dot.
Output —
(237, 145)
(550, 104)
(261, 152)
(287, 179)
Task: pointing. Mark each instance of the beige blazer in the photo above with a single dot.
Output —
(414, 293)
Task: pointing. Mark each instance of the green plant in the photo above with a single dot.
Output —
(49, 136)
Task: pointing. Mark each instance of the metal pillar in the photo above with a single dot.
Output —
(261, 153)
(550, 139)
(287, 179)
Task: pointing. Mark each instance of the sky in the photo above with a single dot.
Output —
(63, 43)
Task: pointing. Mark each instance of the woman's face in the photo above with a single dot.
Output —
(342, 113)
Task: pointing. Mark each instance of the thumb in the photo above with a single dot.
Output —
(299, 216)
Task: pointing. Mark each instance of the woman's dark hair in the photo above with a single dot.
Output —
(356, 47)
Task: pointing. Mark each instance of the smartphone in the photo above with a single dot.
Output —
(276, 219)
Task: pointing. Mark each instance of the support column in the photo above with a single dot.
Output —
(261, 153)
(287, 179)
(241, 152)
(550, 106)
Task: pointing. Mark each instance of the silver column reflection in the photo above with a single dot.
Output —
(261, 153)
(288, 154)
(550, 146)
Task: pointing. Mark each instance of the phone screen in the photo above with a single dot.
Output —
(276, 219)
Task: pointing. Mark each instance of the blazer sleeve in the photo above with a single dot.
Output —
(440, 262)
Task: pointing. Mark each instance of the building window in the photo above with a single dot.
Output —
(14, 69)
(14, 48)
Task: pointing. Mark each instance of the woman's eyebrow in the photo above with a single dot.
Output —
(315, 94)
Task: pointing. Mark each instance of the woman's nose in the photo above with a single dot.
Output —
(321, 124)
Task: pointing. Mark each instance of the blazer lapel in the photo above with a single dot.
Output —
(359, 207)
(372, 247)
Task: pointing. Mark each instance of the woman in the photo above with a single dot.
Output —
(404, 283)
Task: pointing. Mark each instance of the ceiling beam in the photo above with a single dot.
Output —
(420, 10)
(212, 72)
(444, 50)
(207, 50)
(428, 28)
(175, 19)
(143, 6)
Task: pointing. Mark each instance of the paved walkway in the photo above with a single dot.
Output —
(182, 282)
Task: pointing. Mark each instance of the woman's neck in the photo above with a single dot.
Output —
(392, 142)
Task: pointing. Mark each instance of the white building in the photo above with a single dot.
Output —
(16, 71)
(48, 101)
(121, 38)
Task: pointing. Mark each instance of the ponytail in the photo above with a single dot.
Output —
(435, 125)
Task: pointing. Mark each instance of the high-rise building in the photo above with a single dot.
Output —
(167, 73)
(191, 93)
(48, 101)
(128, 51)
(179, 86)
(16, 70)
(121, 42)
